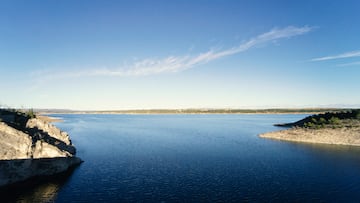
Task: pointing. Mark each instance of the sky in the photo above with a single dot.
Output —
(115, 55)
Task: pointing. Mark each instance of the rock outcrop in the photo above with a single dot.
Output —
(32, 147)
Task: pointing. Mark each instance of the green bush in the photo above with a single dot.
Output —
(309, 125)
(322, 120)
(30, 113)
(334, 120)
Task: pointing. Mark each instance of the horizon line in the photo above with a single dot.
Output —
(198, 109)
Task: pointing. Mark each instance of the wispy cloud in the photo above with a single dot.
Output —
(339, 56)
(357, 63)
(173, 64)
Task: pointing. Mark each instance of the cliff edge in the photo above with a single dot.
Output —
(31, 147)
(342, 128)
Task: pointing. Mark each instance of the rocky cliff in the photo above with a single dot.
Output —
(32, 147)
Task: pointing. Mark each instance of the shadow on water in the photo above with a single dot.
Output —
(335, 149)
(329, 151)
(36, 189)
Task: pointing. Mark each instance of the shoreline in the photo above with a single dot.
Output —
(196, 111)
(49, 119)
(111, 113)
(172, 113)
(340, 136)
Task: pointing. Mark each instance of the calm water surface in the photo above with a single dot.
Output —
(197, 158)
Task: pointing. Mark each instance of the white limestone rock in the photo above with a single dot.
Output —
(50, 129)
(14, 144)
(33, 147)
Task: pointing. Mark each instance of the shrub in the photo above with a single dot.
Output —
(334, 120)
(309, 125)
(30, 113)
(322, 121)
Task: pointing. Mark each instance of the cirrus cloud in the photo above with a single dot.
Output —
(172, 64)
(339, 56)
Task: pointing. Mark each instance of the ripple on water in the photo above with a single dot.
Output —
(201, 158)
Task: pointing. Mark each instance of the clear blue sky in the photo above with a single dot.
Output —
(179, 54)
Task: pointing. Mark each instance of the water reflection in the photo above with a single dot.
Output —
(328, 150)
(42, 193)
(38, 190)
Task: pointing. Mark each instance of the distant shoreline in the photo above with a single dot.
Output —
(196, 111)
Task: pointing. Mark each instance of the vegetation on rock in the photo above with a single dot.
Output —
(16, 118)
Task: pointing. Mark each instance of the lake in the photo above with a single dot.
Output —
(196, 158)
